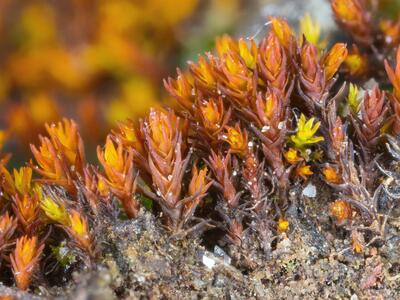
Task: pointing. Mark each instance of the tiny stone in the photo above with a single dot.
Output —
(208, 262)
(265, 129)
(221, 253)
(310, 191)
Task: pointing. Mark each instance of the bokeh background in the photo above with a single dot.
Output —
(98, 61)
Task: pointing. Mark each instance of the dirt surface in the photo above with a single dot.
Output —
(310, 261)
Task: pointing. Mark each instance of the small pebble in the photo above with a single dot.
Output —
(208, 261)
(310, 191)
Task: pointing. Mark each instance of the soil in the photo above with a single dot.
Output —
(313, 260)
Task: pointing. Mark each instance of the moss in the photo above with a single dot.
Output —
(253, 128)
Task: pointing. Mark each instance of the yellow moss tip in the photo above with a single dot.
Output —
(283, 225)
(306, 130)
(54, 211)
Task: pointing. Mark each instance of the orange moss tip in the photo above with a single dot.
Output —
(199, 183)
(272, 61)
(212, 114)
(60, 157)
(283, 31)
(235, 77)
(270, 109)
(203, 72)
(292, 156)
(357, 242)
(22, 180)
(346, 10)
(373, 104)
(52, 165)
(112, 157)
(25, 259)
(356, 62)
(247, 51)
(341, 210)
(67, 140)
(353, 16)
(8, 224)
(333, 59)
(78, 229)
(331, 175)
(198, 187)
(182, 89)
(394, 75)
(130, 135)
(225, 44)
(162, 130)
(283, 225)
(120, 178)
(317, 74)
(391, 31)
(27, 209)
(304, 171)
(237, 139)
(102, 187)
(7, 181)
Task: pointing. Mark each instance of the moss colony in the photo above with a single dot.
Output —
(261, 135)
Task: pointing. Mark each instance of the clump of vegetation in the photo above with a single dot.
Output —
(252, 122)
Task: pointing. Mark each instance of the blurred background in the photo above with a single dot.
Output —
(98, 61)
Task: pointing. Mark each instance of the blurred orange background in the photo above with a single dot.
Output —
(97, 61)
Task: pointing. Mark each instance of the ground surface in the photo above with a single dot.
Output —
(309, 262)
